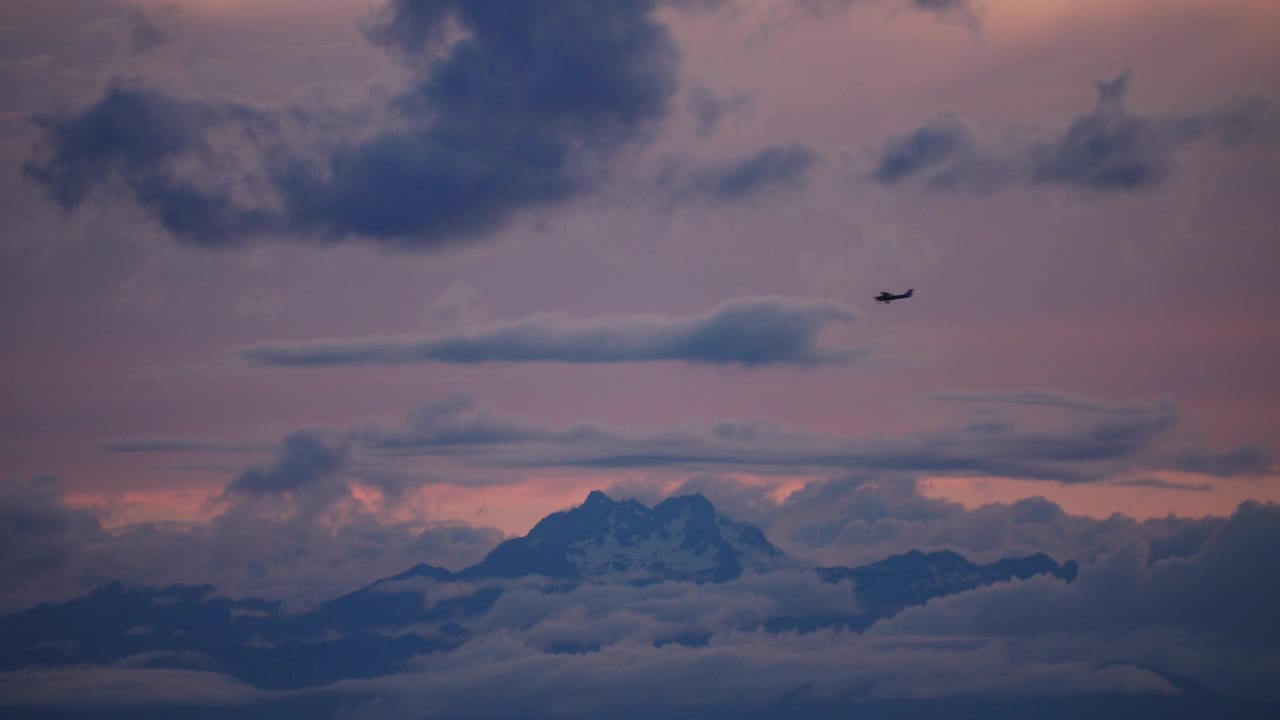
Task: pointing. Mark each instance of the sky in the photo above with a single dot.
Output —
(428, 272)
(296, 294)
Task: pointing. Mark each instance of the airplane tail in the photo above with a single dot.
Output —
(911, 292)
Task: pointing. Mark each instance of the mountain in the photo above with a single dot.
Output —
(889, 586)
(188, 626)
(681, 538)
(914, 578)
(379, 628)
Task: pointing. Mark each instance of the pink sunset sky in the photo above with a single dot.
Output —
(1082, 195)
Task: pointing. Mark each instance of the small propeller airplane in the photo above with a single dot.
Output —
(888, 297)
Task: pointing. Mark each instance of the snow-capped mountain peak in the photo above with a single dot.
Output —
(681, 538)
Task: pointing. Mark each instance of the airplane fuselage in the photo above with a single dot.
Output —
(888, 297)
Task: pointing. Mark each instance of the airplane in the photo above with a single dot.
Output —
(888, 297)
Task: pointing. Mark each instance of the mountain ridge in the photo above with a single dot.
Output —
(427, 609)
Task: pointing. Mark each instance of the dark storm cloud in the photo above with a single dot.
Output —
(1106, 149)
(517, 100)
(748, 332)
